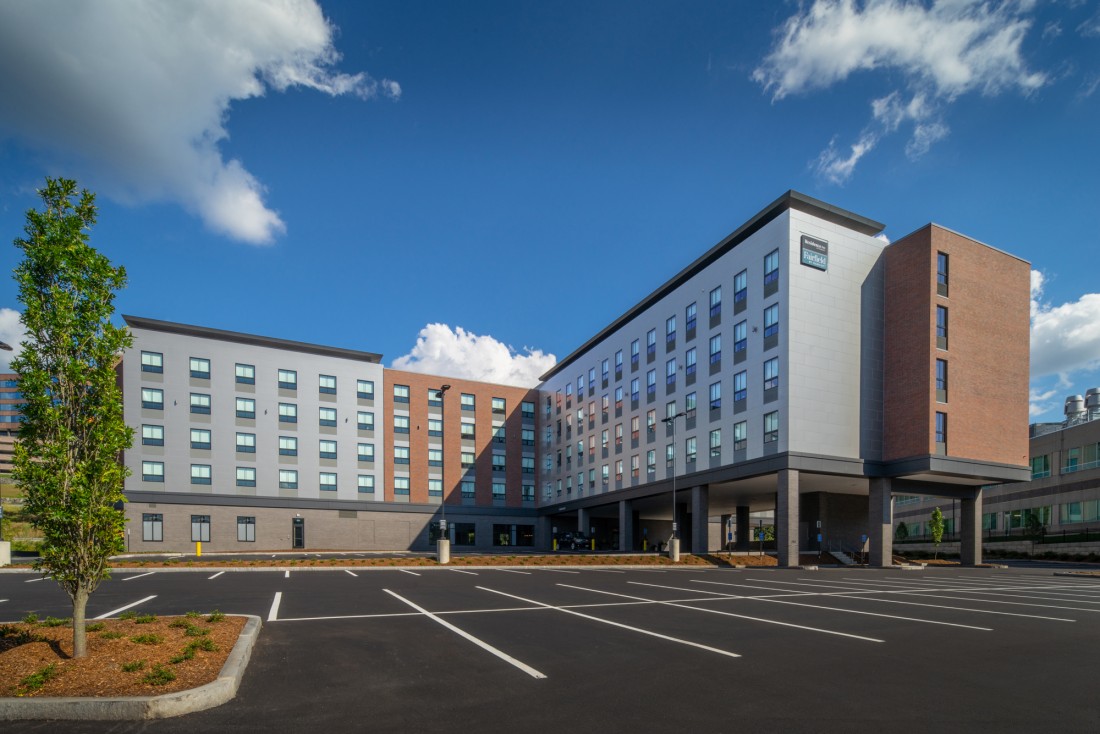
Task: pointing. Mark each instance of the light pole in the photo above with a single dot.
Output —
(443, 544)
(674, 541)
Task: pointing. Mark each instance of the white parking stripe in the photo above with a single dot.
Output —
(120, 610)
(615, 624)
(211, 578)
(350, 573)
(457, 570)
(414, 573)
(140, 575)
(724, 614)
(273, 613)
(557, 570)
(287, 574)
(31, 581)
(467, 636)
(605, 570)
(508, 570)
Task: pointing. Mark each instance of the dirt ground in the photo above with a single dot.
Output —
(144, 645)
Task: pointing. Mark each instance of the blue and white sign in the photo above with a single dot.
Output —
(815, 252)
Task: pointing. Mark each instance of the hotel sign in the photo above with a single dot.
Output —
(815, 252)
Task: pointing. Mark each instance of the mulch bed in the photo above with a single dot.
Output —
(28, 649)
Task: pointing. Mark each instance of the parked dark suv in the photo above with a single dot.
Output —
(574, 541)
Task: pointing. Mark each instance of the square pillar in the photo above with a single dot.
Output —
(724, 543)
(626, 525)
(880, 522)
(700, 515)
(543, 532)
(744, 532)
(582, 521)
(786, 518)
(970, 546)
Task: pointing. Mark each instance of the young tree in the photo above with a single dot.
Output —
(935, 528)
(67, 459)
(902, 533)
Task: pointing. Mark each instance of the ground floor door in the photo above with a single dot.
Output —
(298, 533)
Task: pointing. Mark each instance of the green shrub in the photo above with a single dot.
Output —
(145, 619)
(159, 676)
(31, 618)
(215, 616)
(205, 644)
(128, 615)
(35, 681)
(55, 622)
(187, 654)
(133, 667)
(193, 615)
(111, 635)
(193, 631)
(94, 626)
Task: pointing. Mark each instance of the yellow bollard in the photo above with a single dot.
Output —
(593, 544)
(198, 548)
(555, 543)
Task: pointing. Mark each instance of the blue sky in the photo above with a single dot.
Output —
(470, 188)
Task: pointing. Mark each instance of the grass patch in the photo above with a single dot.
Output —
(194, 631)
(111, 635)
(55, 622)
(215, 616)
(159, 676)
(187, 654)
(128, 615)
(193, 615)
(145, 619)
(31, 618)
(205, 644)
(133, 667)
(34, 681)
(147, 639)
(95, 626)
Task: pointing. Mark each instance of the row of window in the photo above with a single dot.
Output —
(467, 401)
(1075, 459)
(152, 398)
(245, 374)
(203, 474)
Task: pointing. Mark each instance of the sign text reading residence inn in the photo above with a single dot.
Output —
(815, 252)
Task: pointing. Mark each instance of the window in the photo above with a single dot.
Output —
(499, 431)
(364, 452)
(152, 398)
(245, 374)
(200, 438)
(152, 435)
(326, 482)
(327, 449)
(689, 449)
(152, 362)
(1040, 467)
(498, 490)
(651, 461)
(771, 320)
(200, 474)
(466, 431)
(634, 349)
(634, 389)
(771, 268)
(670, 372)
(618, 364)
(740, 336)
(591, 379)
(435, 487)
(288, 479)
(651, 382)
(400, 393)
(435, 427)
(941, 273)
(468, 489)
(740, 385)
(941, 327)
(152, 471)
(246, 476)
(651, 342)
(670, 330)
(619, 398)
(288, 413)
(366, 484)
(689, 404)
(364, 421)
(467, 402)
(246, 408)
(401, 424)
(527, 408)
(634, 423)
(246, 529)
(498, 462)
(200, 528)
(527, 436)
(771, 427)
(941, 380)
(326, 385)
(400, 454)
(619, 470)
(401, 486)
(634, 466)
(499, 406)
(435, 457)
(364, 389)
(288, 446)
(715, 395)
(527, 493)
(771, 373)
(689, 317)
(689, 361)
(740, 287)
(740, 436)
(716, 349)
(604, 371)
(605, 474)
(941, 433)
(618, 436)
(467, 459)
(580, 385)
(246, 443)
(200, 368)
(716, 443)
(152, 527)
(716, 302)
(288, 380)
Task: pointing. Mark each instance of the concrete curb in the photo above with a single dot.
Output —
(127, 708)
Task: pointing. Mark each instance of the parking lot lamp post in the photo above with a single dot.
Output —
(674, 541)
(443, 543)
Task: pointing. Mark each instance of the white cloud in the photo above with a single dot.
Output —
(1090, 27)
(940, 52)
(440, 350)
(137, 96)
(12, 333)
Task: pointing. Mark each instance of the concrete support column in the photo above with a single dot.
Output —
(626, 525)
(786, 518)
(582, 521)
(723, 542)
(700, 514)
(543, 532)
(880, 522)
(744, 532)
(970, 546)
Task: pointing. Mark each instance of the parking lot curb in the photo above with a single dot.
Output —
(130, 708)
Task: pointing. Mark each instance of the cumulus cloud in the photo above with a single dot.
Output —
(940, 52)
(1065, 338)
(137, 95)
(456, 352)
(12, 334)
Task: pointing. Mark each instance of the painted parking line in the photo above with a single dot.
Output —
(140, 575)
(287, 574)
(273, 613)
(413, 573)
(508, 570)
(458, 570)
(557, 570)
(840, 610)
(941, 594)
(467, 636)
(350, 573)
(211, 578)
(639, 630)
(604, 570)
(120, 610)
(40, 578)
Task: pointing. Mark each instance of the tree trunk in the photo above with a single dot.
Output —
(80, 637)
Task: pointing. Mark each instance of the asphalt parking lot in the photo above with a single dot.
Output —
(610, 650)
